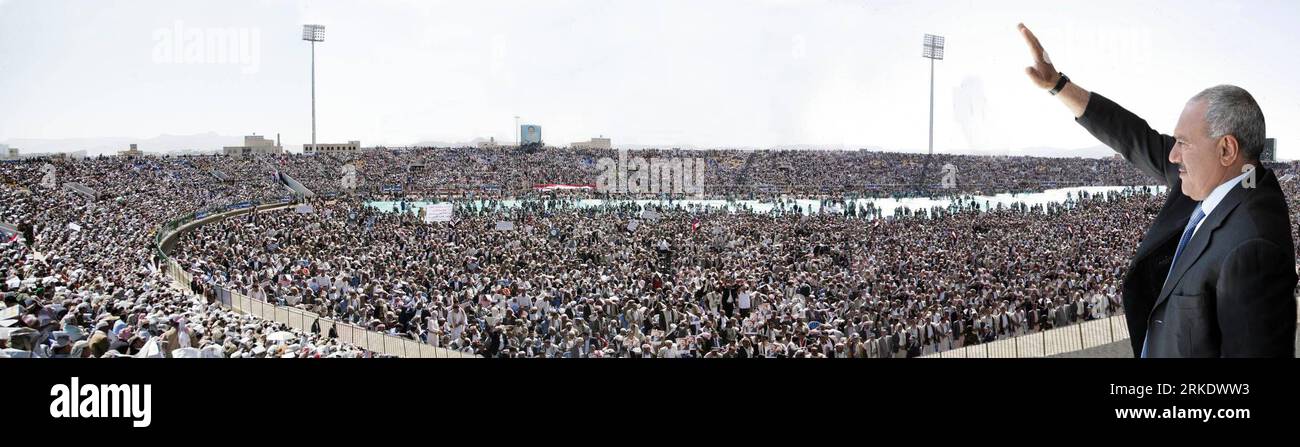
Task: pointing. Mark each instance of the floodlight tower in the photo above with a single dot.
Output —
(932, 49)
(313, 34)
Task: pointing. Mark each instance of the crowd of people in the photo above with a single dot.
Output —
(883, 174)
(499, 172)
(543, 277)
(81, 275)
(585, 282)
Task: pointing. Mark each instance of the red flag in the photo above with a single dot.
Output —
(695, 225)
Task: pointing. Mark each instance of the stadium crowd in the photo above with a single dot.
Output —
(569, 282)
(500, 172)
(82, 275)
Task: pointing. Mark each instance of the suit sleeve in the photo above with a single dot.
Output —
(1256, 304)
(1130, 136)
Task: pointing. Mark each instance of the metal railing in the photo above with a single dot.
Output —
(292, 317)
(1075, 337)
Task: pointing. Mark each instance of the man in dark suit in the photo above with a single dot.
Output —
(1215, 274)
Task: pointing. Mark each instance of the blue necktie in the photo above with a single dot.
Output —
(1197, 215)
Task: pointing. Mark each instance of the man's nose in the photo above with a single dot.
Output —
(1175, 155)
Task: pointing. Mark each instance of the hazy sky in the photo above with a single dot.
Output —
(668, 72)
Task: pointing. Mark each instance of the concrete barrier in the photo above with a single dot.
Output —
(84, 190)
(295, 185)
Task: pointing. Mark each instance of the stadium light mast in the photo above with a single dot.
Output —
(517, 131)
(313, 34)
(932, 49)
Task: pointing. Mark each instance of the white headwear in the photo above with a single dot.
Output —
(151, 350)
(186, 353)
(183, 334)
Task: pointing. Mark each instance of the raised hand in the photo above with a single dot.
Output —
(1042, 73)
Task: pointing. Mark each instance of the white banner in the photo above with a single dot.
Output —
(505, 225)
(554, 187)
(441, 212)
(9, 312)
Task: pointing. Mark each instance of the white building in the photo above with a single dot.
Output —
(595, 143)
(254, 144)
(351, 147)
(12, 153)
(132, 152)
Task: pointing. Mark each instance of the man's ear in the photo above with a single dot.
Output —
(1229, 150)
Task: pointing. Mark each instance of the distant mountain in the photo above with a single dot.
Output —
(212, 142)
(1054, 152)
(1097, 151)
(1087, 152)
(470, 143)
(197, 143)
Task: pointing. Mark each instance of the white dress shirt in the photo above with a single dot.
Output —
(1211, 201)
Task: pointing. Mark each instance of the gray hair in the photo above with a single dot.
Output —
(1230, 110)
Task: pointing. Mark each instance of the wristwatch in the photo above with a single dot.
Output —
(1060, 84)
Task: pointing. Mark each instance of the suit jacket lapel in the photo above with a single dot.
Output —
(1168, 224)
(1196, 246)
